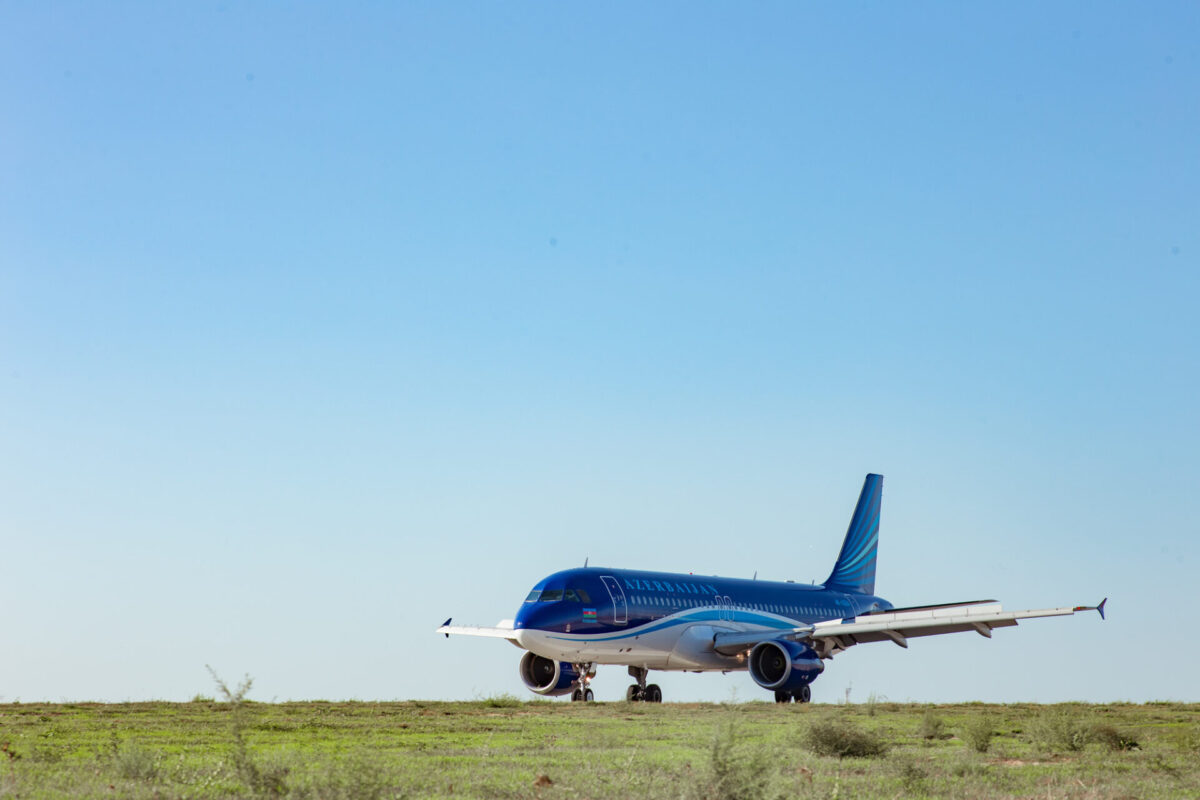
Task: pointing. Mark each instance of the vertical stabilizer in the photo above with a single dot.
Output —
(855, 567)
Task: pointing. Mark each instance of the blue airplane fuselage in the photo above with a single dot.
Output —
(600, 600)
(640, 617)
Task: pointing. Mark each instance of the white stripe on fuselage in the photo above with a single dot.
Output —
(680, 641)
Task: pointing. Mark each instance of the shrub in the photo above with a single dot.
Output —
(967, 768)
(1059, 730)
(1113, 738)
(740, 770)
(932, 726)
(138, 763)
(1187, 740)
(843, 739)
(978, 734)
(504, 700)
(912, 776)
(357, 776)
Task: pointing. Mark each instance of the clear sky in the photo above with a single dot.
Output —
(320, 323)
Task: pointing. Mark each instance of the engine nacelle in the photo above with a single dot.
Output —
(547, 677)
(784, 666)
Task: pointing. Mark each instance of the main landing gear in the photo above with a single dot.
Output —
(640, 691)
(582, 693)
(801, 695)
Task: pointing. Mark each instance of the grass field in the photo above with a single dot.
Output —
(503, 747)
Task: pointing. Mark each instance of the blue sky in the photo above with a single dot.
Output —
(319, 325)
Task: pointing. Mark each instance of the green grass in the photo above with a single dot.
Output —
(498, 747)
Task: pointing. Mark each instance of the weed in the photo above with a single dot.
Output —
(263, 779)
(842, 738)
(872, 704)
(977, 733)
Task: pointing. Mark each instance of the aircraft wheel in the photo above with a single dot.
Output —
(576, 696)
(633, 693)
(589, 696)
(653, 693)
(783, 697)
(805, 695)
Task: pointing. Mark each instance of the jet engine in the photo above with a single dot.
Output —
(784, 666)
(548, 677)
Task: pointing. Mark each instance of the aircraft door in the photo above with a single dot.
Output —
(620, 611)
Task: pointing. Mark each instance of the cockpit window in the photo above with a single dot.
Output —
(533, 596)
(583, 596)
(570, 596)
(552, 595)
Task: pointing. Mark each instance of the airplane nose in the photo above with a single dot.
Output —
(525, 615)
(535, 616)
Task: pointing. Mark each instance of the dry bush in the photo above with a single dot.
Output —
(1113, 738)
(844, 739)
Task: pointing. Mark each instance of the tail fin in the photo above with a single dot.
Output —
(855, 568)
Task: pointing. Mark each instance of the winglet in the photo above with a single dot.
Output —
(1099, 608)
(446, 623)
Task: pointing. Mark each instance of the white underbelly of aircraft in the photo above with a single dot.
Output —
(676, 648)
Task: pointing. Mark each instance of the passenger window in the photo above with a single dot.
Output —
(552, 595)
(533, 596)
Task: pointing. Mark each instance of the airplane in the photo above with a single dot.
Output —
(782, 632)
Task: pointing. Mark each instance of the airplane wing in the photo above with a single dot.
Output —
(502, 630)
(836, 636)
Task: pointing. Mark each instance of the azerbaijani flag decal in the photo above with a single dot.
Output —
(589, 615)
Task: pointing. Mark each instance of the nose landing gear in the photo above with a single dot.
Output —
(582, 693)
